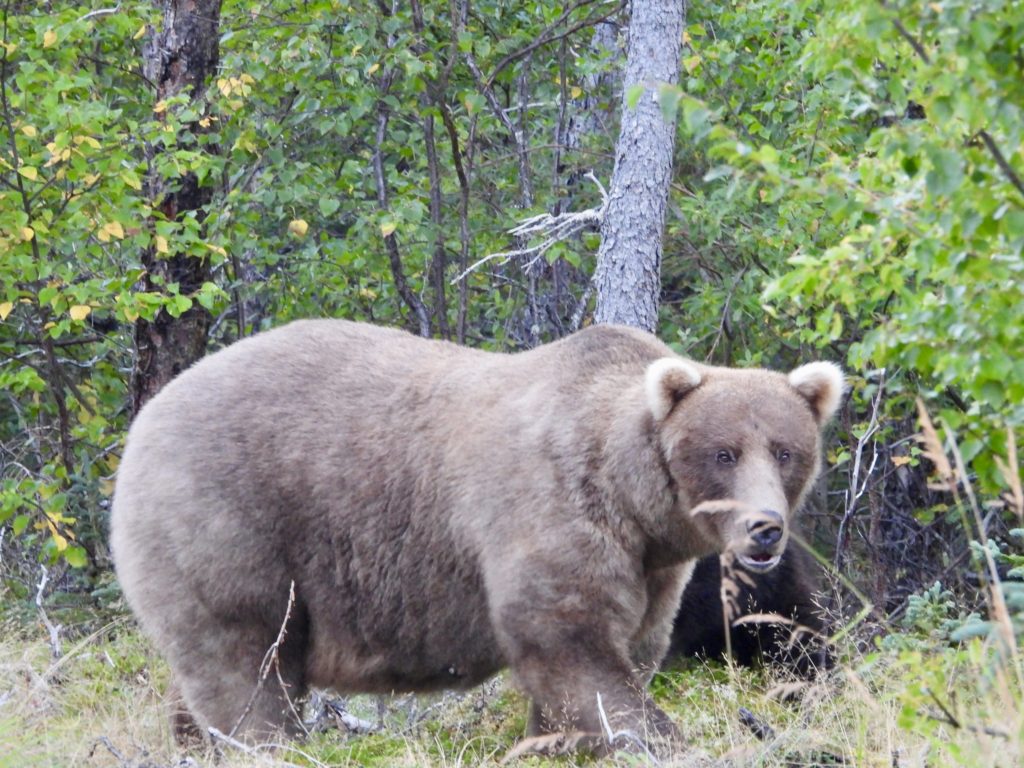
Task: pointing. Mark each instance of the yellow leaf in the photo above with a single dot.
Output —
(49, 38)
(900, 461)
(691, 62)
(79, 312)
(29, 130)
(140, 33)
(373, 68)
(387, 228)
(5, 309)
(247, 78)
(80, 140)
(59, 540)
(27, 233)
(298, 227)
(107, 487)
(575, 91)
(113, 229)
(160, 107)
(217, 249)
(161, 244)
(131, 315)
(29, 172)
(49, 325)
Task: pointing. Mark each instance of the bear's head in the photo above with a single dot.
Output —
(742, 448)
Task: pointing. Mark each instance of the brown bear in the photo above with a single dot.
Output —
(795, 644)
(442, 513)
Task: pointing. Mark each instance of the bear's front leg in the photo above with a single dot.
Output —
(568, 646)
(664, 591)
(591, 691)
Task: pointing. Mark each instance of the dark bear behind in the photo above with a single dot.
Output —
(788, 591)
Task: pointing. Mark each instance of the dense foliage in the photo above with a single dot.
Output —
(848, 185)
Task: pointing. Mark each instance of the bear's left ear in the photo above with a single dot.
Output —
(822, 385)
(666, 382)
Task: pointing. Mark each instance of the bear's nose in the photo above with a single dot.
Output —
(767, 532)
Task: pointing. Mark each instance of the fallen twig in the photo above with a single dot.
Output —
(347, 719)
(952, 720)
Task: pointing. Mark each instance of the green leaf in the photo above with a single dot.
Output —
(633, 94)
(669, 97)
(946, 172)
(76, 556)
(328, 205)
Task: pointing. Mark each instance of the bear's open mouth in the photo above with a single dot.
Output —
(762, 561)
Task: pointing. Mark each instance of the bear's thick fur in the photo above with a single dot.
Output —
(444, 512)
(787, 591)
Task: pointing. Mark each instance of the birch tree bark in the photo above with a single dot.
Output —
(180, 58)
(628, 275)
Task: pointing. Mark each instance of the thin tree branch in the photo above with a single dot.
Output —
(546, 35)
(1001, 160)
(525, 188)
(463, 171)
(439, 259)
(390, 240)
(51, 628)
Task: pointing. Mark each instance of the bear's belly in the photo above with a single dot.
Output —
(404, 667)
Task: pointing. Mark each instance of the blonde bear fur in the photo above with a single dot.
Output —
(444, 513)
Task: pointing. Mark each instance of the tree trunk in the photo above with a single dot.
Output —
(180, 58)
(628, 276)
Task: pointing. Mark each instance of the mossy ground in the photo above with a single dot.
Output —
(910, 704)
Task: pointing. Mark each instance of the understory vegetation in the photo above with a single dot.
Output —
(848, 186)
(917, 701)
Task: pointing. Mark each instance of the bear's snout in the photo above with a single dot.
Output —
(768, 532)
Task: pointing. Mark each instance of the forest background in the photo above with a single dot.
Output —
(847, 185)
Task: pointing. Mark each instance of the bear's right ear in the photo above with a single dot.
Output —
(666, 383)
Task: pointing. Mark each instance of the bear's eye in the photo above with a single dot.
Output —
(782, 455)
(725, 457)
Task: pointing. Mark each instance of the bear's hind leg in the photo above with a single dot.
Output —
(235, 679)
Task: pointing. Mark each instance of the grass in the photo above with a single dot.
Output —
(912, 702)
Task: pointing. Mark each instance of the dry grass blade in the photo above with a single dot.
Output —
(998, 609)
(551, 744)
(934, 452)
(728, 592)
(1010, 470)
(787, 691)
